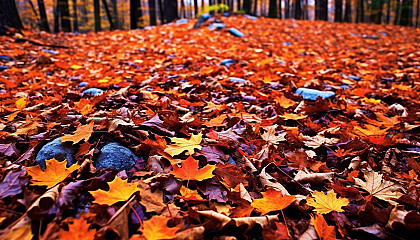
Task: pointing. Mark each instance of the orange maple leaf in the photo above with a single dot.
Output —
(82, 132)
(324, 231)
(272, 200)
(119, 190)
(190, 171)
(156, 228)
(325, 203)
(342, 153)
(78, 230)
(188, 194)
(54, 173)
(284, 102)
(84, 106)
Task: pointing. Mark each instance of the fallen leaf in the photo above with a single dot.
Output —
(83, 132)
(21, 103)
(325, 203)
(190, 170)
(78, 230)
(380, 188)
(119, 190)
(272, 200)
(182, 145)
(21, 233)
(156, 228)
(324, 231)
(188, 194)
(54, 173)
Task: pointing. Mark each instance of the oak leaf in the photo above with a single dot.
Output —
(119, 190)
(325, 203)
(190, 171)
(78, 230)
(182, 145)
(82, 132)
(156, 228)
(324, 231)
(54, 172)
(378, 187)
(272, 200)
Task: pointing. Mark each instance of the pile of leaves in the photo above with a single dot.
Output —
(225, 151)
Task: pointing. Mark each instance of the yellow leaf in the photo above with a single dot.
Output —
(272, 200)
(190, 171)
(78, 230)
(182, 145)
(54, 173)
(292, 116)
(82, 132)
(156, 228)
(22, 233)
(188, 194)
(327, 203)
(119, 190)
(378, 187)
(21, 103)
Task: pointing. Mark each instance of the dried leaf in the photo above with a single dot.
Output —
(325, 203)
(190, 170)
(83, 132)
(182, 145)
(54, 173)
(324, 231)
(272, 200)
(119, 190)
(78, 230)
(156, 228)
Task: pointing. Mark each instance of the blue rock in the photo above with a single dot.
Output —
(202, 19)
(250, 17)
(312, 94)
(345, 86)
(115, 156)
(3, 67)
(5, 58)
(58, 150)
(181, 21)
(50, 51)
(238, 80)
(287, 43)
(235, 32)
(217, 26)
(205, 16)
(226, 14)
(227, 62)
(354, 77)
(384, 34)
(83, 84)
(92, 91)
(374, 37)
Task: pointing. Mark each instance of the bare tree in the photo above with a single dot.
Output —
(43, 17)
(9, 17)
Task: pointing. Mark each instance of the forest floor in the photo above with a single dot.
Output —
(225, 146)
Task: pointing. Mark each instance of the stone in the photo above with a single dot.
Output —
(235, 32)
(83, 84)
(227, 62)
(181, 21)
(58, 150)
(93, 91)
(238, 80)
(313, 94)
(5, 58)
(113, 155)
(216, 26)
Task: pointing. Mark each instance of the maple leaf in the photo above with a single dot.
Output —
(284, 102)
(271, 137)
(188, 194)
(30, 127)
(156, 228)
(292, 116)
(54, 173)
(119, 190)
(378, 187)
(369, 130)
(325, 203)
(82, 132)
(342, 153)
(272, 200)
(78, 230)
(182, 145)
(190, 171)
(324, 231)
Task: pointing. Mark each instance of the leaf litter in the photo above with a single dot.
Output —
(337, 159)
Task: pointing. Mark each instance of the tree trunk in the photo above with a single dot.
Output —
(183, 8)
(171, 10)
(75, 20)
(272, 9)
(9, 17)
(114, 4)
(56, 10)
(64, 15)
(247, 6)
(108, 15)
(406, 13)
(360, 12)
(97, 15)
(161, 10)
(43, 24)
(152, 12)
(397, 13)
(417, 13)
(286, 9)
(388, 11)
(255, 7)
(298, 9)
(240, 7)
(280, 12)
(347, 12)
(196, 8)
(338, 11)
